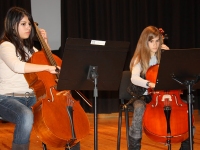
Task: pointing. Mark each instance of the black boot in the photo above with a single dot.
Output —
(134, 144)
(185, 145)
(75, 147)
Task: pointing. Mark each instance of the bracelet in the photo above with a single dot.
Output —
(147, 84)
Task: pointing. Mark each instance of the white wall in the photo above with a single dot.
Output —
(47, 14)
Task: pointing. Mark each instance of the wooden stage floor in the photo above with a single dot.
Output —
(107, 136)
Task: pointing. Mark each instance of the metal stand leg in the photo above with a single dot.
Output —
(125, 109)
(95, 124)
(44, 146)
(190, 117)
(119, 127)
(189, 84)
(127, 125)
(169, 147)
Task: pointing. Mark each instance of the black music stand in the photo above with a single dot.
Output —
(85, 60)
(179, 69)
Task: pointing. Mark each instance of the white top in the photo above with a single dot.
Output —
(135, 75)
(12, 70)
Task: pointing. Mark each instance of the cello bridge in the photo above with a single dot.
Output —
(166, 97)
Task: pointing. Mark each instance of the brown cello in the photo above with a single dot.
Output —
(166, 116)
(59, 120)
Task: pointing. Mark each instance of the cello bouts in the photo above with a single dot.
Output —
(59, 120)
(166, 116)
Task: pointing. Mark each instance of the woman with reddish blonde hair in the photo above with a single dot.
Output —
(147, 53)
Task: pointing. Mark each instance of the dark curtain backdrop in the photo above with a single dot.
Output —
(124, 20)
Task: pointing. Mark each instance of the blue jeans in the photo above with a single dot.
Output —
(18, 111)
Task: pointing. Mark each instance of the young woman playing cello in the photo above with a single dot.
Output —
(16, 98)
(147, 53)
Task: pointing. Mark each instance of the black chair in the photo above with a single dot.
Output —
(125, 99)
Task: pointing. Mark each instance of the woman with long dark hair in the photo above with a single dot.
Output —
(16, 98)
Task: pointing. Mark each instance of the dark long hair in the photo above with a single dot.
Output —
(12, 19)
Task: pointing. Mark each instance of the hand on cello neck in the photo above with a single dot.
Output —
(151, 85)
(53, 69)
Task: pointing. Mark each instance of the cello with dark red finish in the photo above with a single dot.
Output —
(166, 116)
(59, 120)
